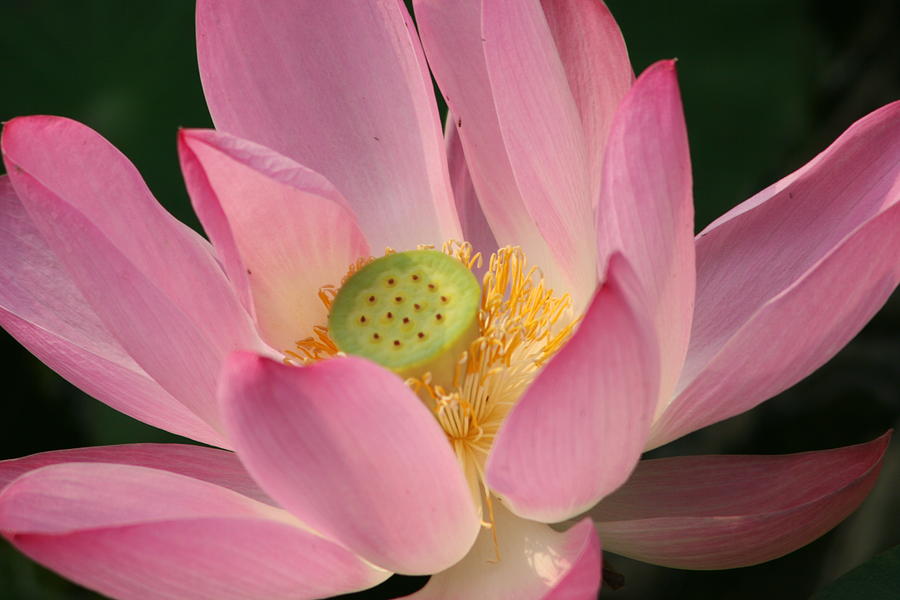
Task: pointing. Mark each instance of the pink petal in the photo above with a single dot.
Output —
(795, 332)
(352, 451)
(153, 283)
(452, 36)
(721, 512)
(342, 88)
(138, 533)
(535, 563)
(475, 227)
(580, 428)
(282, 230)
(45, 312)
(646, 208)
(752, 263)
(207, 464)
(593, 53)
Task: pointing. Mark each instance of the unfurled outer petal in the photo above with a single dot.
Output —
(520, 129)
(593, 53)
(341, 88)
(526, 561)
(646, 208)
(133, 532)
(475, 227)
(154, 284)
(206, 464)
(41, 307)
(581, 426)
(721, 512)
(353, 452)
(789, 277)
(283, 231)
(794, 332)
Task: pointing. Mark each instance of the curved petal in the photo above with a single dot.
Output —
(342, 88)
(138, 533)
(581, 426)
(542, 133)
(475, 227)
(721, 512)
(646, 208)
(757, 256)
(453, 39)
(795, 332)
(206, 464)
(153, 283)
(595, 58)
(352, 451)
(41, 307)
(528, 561)
(283, 231)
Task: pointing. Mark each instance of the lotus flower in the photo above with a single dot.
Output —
(335, 468)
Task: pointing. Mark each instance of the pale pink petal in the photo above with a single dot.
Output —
(133, 532)
(283, 230)
(594, 55)
(542, 134)
(206, 464)
(452, 36)
(581, 426)
(753, 259)
(342, 88)
(646, 208)
(529, 561)
(475, 227)
(795, 332)
(353, 452)
(721, 512)
(45, 312)
(154, 284)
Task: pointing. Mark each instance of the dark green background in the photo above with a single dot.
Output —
(766, 85)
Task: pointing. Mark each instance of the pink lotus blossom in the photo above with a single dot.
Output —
(340, 473)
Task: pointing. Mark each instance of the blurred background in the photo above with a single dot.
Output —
(766, 85)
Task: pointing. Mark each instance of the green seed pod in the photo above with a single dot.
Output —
(411, 312)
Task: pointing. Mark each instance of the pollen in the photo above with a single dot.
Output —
(518, 325)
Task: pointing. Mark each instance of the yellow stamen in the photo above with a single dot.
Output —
(521, 325)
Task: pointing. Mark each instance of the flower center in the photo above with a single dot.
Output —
(469, 353)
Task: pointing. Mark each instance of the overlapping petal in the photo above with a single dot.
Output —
(795, 332)
(206, 464)
(321, 438)
(134, 532)
(720, 512)
(535, 563)
(519, 121)
(154, 284)
(283, 231)
(788, 278)
(646, 208)
(475, 227)
(581, 426)
(343, 89)
(41, 307)
(598, 70)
